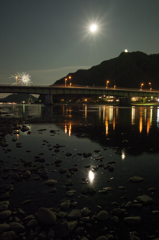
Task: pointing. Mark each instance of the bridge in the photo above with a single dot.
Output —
(50, 91)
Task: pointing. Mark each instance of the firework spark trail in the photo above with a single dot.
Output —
(23, 78)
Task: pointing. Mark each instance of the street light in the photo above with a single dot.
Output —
(69, 77)
(142, 85)
(107, 83)
(150, 86)
(16, 77)
(65, 81)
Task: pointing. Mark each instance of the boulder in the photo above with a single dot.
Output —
(136, 179)
(46, 216)
(132, 220)
(144, 199)
(5, 214)
(102, 215)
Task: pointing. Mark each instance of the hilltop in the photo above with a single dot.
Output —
(129, 69)
(18, 98)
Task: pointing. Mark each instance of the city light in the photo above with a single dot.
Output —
(22, 78)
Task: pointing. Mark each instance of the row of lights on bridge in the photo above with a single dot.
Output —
(107, 82)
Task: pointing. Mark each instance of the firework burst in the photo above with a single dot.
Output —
(23, 78)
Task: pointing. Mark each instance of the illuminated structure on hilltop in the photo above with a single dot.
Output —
(22, 78)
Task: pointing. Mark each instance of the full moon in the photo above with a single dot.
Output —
(93, 28)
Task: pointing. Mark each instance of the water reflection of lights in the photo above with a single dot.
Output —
(133, 115)
(148, 121)
(111, 114)
(85, 111)
(140, 121)
(91, 176)
(106, 125)
(69, 130)
(122, 154)
(65, 128)
(114, 119)
(157, 116)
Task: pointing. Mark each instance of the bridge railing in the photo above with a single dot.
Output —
(79, 86)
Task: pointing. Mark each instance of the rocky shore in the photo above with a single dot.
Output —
(70, 217)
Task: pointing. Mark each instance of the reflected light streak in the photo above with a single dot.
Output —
(65, 128)
(17, 135)
(114, 114)
(148, 121)
(111, 114)
(140, 122)
(103, 113)
(157, 116)
(106, 125)
(91, 176)
(151, 113)
(69, 130)
(145, 114)
(122, 154)
(133, 115)
(85, 111)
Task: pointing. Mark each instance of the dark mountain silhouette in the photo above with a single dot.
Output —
(127, 70)
(18, 98)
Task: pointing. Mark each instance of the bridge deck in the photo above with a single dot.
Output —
(78, 90)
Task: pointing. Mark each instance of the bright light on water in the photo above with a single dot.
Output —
(91, 176)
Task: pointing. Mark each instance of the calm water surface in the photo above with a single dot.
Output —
(128, 136)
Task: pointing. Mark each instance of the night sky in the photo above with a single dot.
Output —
(51, 38)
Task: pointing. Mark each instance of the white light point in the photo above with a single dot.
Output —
(93, 28)
(126, 50)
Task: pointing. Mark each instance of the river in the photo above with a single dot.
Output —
(101, 147)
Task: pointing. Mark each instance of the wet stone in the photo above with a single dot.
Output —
(102, 215)
(63, 170)
(75, 214)
(5, 214)
(62, 228)
(85, 211)
(132, 220)
(136, 179)
(46, 216)
(50, 182)
(144, 199)
(7, 235)
(17, 227)
(87, 190)
(102, 238)
(70, 193)
(4, 227)
(65, 205)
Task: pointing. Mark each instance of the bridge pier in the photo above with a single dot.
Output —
(125, 101)
(48, 100)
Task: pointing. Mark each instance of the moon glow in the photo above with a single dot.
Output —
(93, 28)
